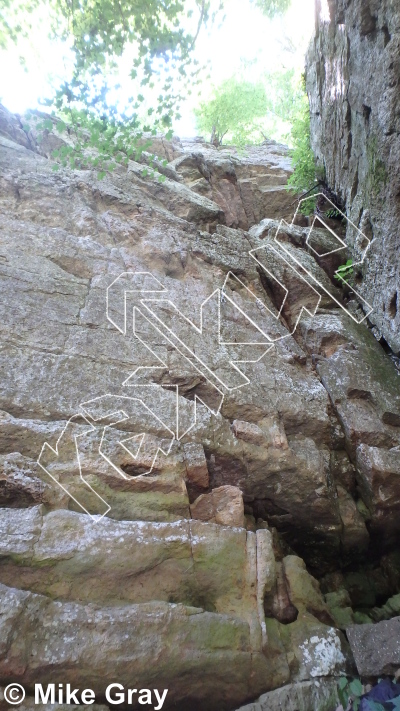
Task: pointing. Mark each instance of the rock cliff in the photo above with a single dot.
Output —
(219, 564)
(353, 84)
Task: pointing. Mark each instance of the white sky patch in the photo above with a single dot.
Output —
(247, 42)
(325, 14)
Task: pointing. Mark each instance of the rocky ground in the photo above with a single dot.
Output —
(231, 559)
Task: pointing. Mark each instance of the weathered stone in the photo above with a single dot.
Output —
(223, 505)
(305, 695)
(164, 643)
(303, 590)
(271, 469)
(67, 557)
(316, 650)
(248, 187)
(376, 648)
(196, 465)
(339, 605)
(19, 484)
(355, 536)
(278, 604)
(354, 132)
(390, 609)
(379, 473)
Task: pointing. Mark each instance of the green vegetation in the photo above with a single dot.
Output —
(304, 176)
(351, 692)
(233, 110)
(345, 271)
(100, 32)
(272, 8)
(243, 113)
(159, 36)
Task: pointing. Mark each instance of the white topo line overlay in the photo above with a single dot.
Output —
(148, 293)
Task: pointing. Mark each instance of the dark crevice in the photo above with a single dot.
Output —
(386, 35)
(393, 305)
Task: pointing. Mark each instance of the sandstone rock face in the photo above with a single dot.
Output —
(355, 135)
(178, 469)
(223, 505)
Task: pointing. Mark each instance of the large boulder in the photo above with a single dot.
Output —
(376, 648)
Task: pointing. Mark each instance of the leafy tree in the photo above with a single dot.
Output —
(15, 19)
(249, 113)
(233, 111)
(101, 31)
(272, 8)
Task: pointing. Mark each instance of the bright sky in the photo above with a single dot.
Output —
(246, 36)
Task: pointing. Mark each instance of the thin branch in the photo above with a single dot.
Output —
(203, 7)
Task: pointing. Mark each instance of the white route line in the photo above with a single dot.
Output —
(173, 340)
(126, 417)
(55, 451)
(361, 236)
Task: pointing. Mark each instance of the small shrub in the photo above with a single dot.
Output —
(345, 271)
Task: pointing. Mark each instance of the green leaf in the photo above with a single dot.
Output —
(61, 126)
(343, 698)
(356, 687)
(101, 174)
(342, 682)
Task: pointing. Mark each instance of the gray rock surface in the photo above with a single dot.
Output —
(376, 648)
(303, 696)
(100, 528)
(352, 82)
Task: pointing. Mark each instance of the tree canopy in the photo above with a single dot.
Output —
(233, 110)
(162, 33)
(160, 36)
(244, 112)
(272, 8)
